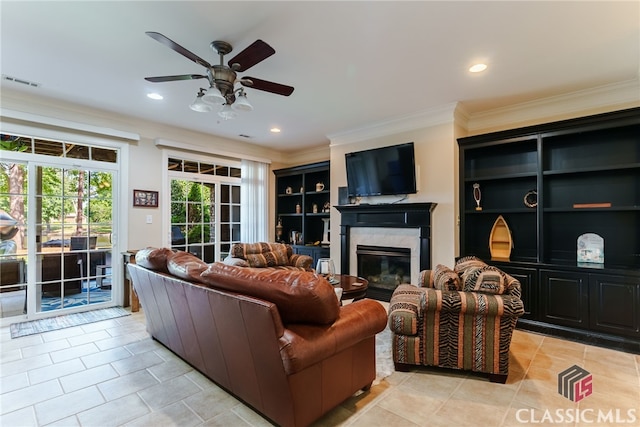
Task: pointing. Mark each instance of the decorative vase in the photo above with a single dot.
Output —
(477, 195)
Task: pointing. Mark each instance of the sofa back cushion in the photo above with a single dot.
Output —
(186, 266)
(261, 254)
(154, 258)
(301, 296)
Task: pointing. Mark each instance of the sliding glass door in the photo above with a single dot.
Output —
(56, 226)
(73, 226)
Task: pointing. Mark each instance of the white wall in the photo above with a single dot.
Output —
(436, 171)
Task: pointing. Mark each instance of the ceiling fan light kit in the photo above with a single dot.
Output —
(213, 96)
(199, 105)
(223, 78)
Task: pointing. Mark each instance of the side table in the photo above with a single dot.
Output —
(353, 287)
(130, 294)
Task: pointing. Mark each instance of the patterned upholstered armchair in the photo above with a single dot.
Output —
(461, 319)
(262, 254)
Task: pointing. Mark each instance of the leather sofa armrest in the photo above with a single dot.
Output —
(303, 345)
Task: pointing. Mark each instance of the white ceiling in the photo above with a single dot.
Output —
(351, 63)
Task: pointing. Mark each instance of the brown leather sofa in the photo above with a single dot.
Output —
(277, 339)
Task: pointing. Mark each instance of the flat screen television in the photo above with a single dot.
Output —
(381, 171)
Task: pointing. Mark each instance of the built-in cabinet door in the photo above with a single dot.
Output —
(564, 298)
(615, 304)
(314, 252)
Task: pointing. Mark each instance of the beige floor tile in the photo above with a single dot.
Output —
(25, 417)
(24, 397)
(14, 382)
(73, 352)
(247, 415)
(58, 370)
(127, 378)
(380, 417)
(87, 378)
(104, 357)
(136, 362)
(169, 369)
(469, 413)
(23, 365)
(474, 390)
(127, 384)
(227, 419)
(68, 404)
(537, 394)
(439, 383)
(176, 414)
(623, 371)
(43, 348)
(211, 402)
(410, 403)
(162, 394)
(114, 413)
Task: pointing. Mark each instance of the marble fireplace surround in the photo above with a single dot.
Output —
(401, 225)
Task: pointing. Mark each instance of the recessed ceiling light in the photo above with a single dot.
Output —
(477, 68)
(275, 130)
(155, 95)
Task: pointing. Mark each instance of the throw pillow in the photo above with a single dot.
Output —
(186, 266)
(445, 279)
(261, 254)
(467, 262)
(154, 258)
(301, 296)
(487, 279)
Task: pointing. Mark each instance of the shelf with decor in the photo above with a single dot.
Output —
(302, 206)
(554, 184)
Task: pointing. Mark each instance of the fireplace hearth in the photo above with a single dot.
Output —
(384, 268)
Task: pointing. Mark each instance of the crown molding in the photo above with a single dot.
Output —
(66, 124)
(184, 146)
(605, 98)
(423, 119)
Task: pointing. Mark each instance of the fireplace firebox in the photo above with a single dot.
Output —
(384, 268)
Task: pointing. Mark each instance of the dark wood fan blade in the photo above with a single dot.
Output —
(256, 52)
(267, 86)
(173, 78)
(175, 46)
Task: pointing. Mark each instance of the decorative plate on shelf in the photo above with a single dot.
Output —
(531, 199)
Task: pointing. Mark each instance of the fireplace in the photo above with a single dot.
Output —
(400, 225)
(384, 268)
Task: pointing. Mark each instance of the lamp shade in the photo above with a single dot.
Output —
(199, 105)
(213, 96)
(227, 112)
(242, 103)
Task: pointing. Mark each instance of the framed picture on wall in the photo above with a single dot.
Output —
(145, 198)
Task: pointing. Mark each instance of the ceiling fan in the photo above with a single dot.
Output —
(222, 78)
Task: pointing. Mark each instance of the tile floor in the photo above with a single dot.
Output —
(111, 373)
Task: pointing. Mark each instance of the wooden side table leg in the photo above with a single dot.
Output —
(135, 303)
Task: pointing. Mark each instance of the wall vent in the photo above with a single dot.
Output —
(21, 81)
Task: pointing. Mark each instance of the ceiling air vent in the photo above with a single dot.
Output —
(242, 135)
(21, 81)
